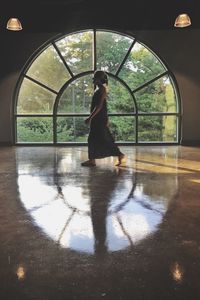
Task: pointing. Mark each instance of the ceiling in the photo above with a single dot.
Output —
(61, 15)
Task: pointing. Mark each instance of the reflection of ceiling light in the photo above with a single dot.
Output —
(14, 24)
(20, 272)
(177, 272)
(183, 20)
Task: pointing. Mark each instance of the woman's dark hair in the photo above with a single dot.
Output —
(102, 76)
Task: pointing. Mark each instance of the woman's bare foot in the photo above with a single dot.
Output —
(88, 163)
(120, 159)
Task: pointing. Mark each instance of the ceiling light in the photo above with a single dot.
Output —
(182, 20)
(14, 24)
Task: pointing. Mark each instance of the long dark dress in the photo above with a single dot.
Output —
(100, 140)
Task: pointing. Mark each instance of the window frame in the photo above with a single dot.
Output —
(58, 94)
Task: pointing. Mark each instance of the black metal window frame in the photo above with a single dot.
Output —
(136, 114)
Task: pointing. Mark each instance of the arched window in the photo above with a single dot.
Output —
(54, 91)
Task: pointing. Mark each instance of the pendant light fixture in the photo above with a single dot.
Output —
(14, 24)
(183, 20)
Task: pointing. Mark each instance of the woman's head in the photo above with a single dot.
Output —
(100, 77)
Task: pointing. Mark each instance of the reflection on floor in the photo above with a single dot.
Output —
(72, 232)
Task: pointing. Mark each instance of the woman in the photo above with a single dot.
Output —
(100, 141)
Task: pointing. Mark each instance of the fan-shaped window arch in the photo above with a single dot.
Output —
(54, 91)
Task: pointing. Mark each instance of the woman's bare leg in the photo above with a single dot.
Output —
(120, 159)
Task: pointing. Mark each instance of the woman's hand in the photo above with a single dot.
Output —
(87, 121)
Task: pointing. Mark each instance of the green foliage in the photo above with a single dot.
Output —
(77, 51)
(34, 130)
(49, 69)
(71, 129)
(111, 49)
(123, 128)
(77, 97)
(119, 99)
(34, 99)
(150, 129)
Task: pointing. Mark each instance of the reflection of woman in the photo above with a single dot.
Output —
(100, 203)
(99, 209)
(100, 141)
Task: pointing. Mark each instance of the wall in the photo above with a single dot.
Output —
(179, 48)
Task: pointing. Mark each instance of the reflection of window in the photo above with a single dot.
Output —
(55, 92)
(65, 214)
(68, 209)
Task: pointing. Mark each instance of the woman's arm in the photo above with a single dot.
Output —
(102, 96)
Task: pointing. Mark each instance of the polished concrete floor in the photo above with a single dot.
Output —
(105, 232)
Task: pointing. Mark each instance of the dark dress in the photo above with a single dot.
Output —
(100, 140)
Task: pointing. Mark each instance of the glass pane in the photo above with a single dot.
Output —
(122, 128)
(157, 129)
(49, 69)
(111, 49)
(72, 129)
(34, 99)
(77, 50)
(77, 96)
(140, 67)
(119, 99)
(34, 129)
(158, 96)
